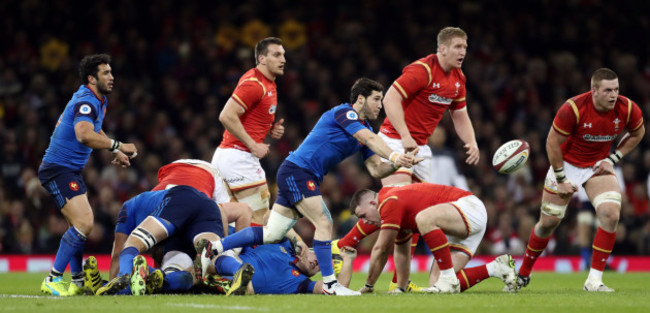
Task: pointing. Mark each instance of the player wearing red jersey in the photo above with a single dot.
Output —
(578, 148)
(248, 117)
(448, 218)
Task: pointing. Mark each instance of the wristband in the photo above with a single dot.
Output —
(560, 176)
(115, 145)
(393, 156)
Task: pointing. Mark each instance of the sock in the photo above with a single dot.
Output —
(469, 277)
(226, 265)
(179, 281)
(72, 243)
(356, 234)
(246, 237)
(78, 279)
(126, 260)
(437, 242)
(414, 244)
(585, 254)
(602, 248)
(53, 274)
(323, 252)
(535, 247)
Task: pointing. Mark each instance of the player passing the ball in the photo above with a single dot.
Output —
(578, 148)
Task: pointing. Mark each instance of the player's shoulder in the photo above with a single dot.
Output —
(85, 95)
(344, 109)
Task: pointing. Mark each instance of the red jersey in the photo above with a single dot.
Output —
(590, 132)
(427, 91)
(398, 206)
(258, 96)
(181, 173)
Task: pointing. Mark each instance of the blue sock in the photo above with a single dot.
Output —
(125, 291)
(226, 265)
(72, 243)
(585, 253)
(246, 237)
(180, 281)
(126, 260)
(323, 250)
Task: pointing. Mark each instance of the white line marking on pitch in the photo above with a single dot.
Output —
(29, 297)
(226, 307)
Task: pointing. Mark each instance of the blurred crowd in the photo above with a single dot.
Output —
(176, 64)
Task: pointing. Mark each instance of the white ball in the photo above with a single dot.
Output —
(511, 156)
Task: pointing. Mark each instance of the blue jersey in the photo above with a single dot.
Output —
(275, 269)
(136, 209)
(331, 141)
(64, 149)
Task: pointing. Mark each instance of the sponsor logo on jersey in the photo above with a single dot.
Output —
(311, 185)
(74, 186)
(351, 115)
(586, 125)
(272, 109)
(434, 98)
(235, 179)
(85, 109)
(598, 138)
(435, 85)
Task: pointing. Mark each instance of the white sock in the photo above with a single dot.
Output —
(448, 272)
(490, 268)
(595, 274)
(216, 245)
(329, 278)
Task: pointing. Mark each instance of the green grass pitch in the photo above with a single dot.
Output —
(548, 293)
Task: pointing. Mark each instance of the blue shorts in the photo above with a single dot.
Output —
(294, 184)
(191, 212)
(61, 182)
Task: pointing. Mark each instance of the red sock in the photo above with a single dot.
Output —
(357, 233)
(414, 244)
(469, 277)
(437, 242)
(603, 245)
(535, 247)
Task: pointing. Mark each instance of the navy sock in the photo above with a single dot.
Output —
(246, 237)
(177, 282)
(585, 253)
(126, 260)
(323, 250)
(72, 243)
(226, 265)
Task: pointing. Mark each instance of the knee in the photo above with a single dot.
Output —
(425, 222)
(84, 225)
(608, 214)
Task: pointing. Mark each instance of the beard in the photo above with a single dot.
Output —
(103, 88)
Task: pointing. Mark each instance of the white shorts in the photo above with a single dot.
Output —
(577, 175)
(475, 217)
(422, 170)
(176, 261)
(240, 169)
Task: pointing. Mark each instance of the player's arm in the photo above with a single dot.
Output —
(629, 141)
(378, 146)
(465, 130)
(402, 260)
(348, 254)
(118, 245)
(229, 117)
(395, 113)
(379, 256)
(554, 151)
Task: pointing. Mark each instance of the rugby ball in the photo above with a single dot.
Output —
(511, 156)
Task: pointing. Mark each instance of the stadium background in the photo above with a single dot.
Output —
(176, 64)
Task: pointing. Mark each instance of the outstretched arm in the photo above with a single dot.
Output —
(465, 131)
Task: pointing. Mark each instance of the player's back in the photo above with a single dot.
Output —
(136, 209)
(328, 143)
(188, 173)
(64, 149)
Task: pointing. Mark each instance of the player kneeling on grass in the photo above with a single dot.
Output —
(446, 217)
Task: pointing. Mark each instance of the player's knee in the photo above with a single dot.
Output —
(425, 222)
(554, 210)
(258, 201)
(145, 236)
(277, 226)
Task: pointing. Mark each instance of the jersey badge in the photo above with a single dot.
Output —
(85, 109)
(295, 273)
(272, 109)
(74, 186)
(616, 121)
(457, 84)
(311, 185)
(351, 115)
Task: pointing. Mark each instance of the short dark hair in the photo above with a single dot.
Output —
(356, 198)
(602, 74)
(90, 65)
(364, 86)
(262, 47)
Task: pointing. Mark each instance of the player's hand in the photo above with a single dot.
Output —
(260, 150)
(409, 143)
(408, 159)
(348, 254)
(129, 149)
(121, 159)
(472, 152)
(278, 129)
(603, 168)
(566, 188)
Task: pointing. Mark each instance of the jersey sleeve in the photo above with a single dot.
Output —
(635, 118)
(389, 211)
(248, 93)
(306, 286)
(348, 119)
(460, 102)
(414, 78)
(122, 225)
(84, 111)
(566, 119)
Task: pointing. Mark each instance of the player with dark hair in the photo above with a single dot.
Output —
(578, 148)
(339, 133)
(448, 218)
(248, 116)
(78, 131)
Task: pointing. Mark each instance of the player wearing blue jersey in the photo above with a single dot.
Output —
(339, 133)
(78, 131)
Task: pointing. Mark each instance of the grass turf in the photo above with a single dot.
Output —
(548, 292)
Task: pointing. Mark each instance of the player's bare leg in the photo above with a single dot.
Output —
(401, 177)
(258, 199)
